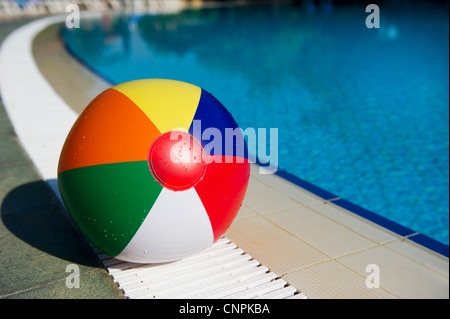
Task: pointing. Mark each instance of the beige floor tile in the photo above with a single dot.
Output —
(399, 275)
(293, 191)
(320, 232)
(263, 199)
(421, 255)
(354, 222)
(331, 280)
(272, 246)
(245, 211)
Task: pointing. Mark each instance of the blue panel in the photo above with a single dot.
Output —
(214, 127)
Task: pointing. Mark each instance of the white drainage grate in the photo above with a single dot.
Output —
(221, 271)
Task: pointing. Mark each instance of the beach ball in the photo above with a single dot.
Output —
(153, 170)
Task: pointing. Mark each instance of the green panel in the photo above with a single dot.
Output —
(109, 202)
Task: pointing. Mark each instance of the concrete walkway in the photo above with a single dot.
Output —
(37, 241)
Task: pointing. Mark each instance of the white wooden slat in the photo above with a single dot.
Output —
(237, 287)
(181, 278)
(199, 280)
(211, 285)
(183, 265)
(258, 290)
(186, 261)
(282, 293)
(198, 274)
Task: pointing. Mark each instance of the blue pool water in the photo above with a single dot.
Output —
(362, 113)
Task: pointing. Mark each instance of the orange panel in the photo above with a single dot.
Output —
(111, 129)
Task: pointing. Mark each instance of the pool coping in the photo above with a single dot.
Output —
(324, 195)
(384, 222)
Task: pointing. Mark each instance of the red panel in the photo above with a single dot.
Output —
(222, 190)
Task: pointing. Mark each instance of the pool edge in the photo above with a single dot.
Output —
(382, 221)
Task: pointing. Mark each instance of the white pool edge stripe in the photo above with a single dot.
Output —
(41, 120)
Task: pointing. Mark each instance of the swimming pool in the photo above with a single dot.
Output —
(361, 113)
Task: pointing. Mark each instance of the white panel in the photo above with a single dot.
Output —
(177, 226)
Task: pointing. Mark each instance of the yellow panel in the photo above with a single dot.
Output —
(169, 104)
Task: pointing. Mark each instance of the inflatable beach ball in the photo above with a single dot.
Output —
(148, 174)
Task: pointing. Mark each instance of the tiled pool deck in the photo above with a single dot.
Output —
(317, 246)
